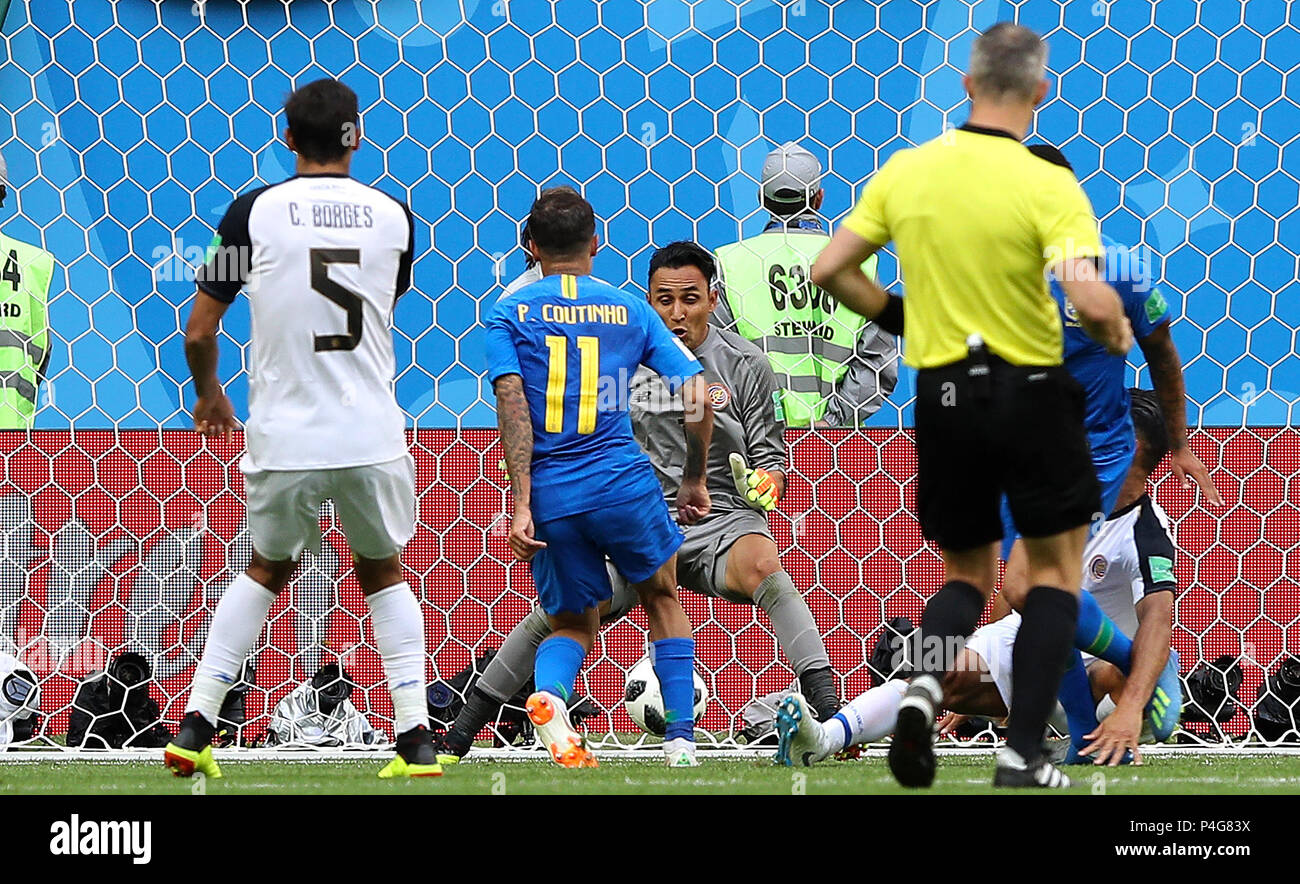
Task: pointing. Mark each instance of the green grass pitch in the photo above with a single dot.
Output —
(1201, 774)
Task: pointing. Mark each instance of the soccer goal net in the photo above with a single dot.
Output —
(129, 126)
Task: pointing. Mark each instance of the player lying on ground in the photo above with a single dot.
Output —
(324, 258)
(1110, 435)
(730, 554)
(562, 352)
(975, 220)
(1109, 426)
(1129, 571)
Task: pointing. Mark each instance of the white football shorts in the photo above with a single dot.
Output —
(994, 643)
(374, 503)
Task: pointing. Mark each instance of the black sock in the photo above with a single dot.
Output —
(818, 686)
(952, 612)
(1038, 663)
(479, 710)
(196, 731)
(416, 745)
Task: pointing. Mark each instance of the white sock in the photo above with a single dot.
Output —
(399, 634)
(867, 717)
(236, 625)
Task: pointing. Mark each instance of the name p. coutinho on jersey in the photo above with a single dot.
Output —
(578, 314)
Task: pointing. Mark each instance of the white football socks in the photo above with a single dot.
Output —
(399, 634)
(867, 717)
(236, 625)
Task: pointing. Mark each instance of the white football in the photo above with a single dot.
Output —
(646, 705)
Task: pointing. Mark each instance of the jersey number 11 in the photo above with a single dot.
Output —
(556, 377)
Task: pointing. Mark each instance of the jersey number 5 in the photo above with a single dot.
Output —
(556, 379)
(349, 300)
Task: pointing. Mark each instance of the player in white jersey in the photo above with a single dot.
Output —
(323, 258)
(532, 271)
(532, 267)
(1128, 567)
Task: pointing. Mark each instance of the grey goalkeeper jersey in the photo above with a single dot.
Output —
(746, 418)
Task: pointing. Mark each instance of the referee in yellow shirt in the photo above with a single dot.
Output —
(978, 222)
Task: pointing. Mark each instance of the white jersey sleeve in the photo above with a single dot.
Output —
(528, 277)
(323, 259)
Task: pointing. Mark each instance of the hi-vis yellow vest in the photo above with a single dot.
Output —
(25, 274)
(808, 337)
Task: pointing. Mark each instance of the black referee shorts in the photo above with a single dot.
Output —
(1014, 429)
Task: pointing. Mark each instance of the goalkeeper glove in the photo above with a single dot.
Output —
(756, 486)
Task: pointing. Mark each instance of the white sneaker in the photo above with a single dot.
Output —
(1016, 773)
(550, 717)
(801, 738)
(680, 753)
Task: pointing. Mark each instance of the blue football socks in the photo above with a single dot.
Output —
(674, 664)
(1098, 635)
(556, 665)
(1076, 698)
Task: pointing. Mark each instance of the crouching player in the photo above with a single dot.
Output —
(730, 554)
(1128, 569)
(561, 354)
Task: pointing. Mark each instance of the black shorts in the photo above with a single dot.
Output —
(1015, 430)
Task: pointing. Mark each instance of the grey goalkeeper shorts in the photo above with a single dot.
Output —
(702, 558)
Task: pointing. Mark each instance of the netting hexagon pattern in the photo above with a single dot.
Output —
(133, 125)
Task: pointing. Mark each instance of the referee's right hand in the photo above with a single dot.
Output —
(1100, 311)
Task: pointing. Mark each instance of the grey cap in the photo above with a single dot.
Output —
(791, 174)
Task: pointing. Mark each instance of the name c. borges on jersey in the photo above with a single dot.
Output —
(330, 214)
(578, 314)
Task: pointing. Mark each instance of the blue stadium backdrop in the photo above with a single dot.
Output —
(129, 126)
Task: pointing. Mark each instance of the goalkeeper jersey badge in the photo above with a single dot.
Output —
(719, 395)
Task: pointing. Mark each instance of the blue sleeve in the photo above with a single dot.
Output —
(664, 353)
(1144, 303)
(503, 359)
(1146, 307)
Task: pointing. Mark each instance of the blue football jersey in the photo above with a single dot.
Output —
(1107, 420)
(577, 342)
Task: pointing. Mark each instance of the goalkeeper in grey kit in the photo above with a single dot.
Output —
(730, 554)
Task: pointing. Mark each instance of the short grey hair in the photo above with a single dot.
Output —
(1008, 61)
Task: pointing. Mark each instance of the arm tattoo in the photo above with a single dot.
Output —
(698, 424)
(516, 425)
(695, 456)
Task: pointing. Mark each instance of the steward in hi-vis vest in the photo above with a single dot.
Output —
(835, 367)
(25, 274)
